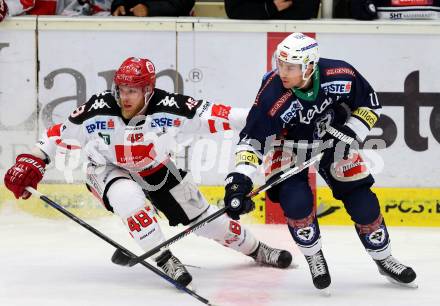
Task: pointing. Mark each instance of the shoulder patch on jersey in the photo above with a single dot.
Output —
(100, 104)
(339, 71)
(173, 103)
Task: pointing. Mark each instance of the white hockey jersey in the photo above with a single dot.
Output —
(142, 144)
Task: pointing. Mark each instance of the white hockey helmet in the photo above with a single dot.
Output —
(298, 48)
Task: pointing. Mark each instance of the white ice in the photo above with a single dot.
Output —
(58, 263)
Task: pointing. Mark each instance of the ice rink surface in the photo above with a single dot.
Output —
(58, 263)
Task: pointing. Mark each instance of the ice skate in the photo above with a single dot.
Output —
(319, 270)
(396, 272)
(166, 261)
(174, 268)
(269, 256)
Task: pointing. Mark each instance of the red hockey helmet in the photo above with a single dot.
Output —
(136, 72)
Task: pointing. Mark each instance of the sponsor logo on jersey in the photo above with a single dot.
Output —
(339, 71)
(98, 104)
(98, 125)
(105, 137)
(164, 121)
(205, 106)
(247, 158)
(191, 103)
(337, 87)
(168, 101)
(135, 137)
(366, 116)
(290, 113)
(307, 116)
(279, 103)
(220, 111)
(351, 169)
(110, 124)
(135, 155)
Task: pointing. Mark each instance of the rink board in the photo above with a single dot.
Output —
(400, 206)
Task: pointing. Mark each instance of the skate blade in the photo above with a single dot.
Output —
(412, 285)
(191, 287)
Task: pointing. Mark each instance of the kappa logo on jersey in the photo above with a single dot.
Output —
(337, 87)
(98, 125)
(98, 105)
(291, 111)
(168, 101)
(161, 122)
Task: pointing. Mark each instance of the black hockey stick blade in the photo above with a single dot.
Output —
(115, 244)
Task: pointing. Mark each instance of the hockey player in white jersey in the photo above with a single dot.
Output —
(126, 134)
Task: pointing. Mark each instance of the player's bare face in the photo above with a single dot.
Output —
(132, 100)
(291, 74)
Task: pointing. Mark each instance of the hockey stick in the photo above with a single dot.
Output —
(114, 243)
(276, 180)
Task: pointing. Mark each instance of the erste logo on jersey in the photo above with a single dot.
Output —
(337, 87)
(164, 121)
(291, 111)
(169, 102)
(100, 125)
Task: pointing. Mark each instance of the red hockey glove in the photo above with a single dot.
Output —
(27, 171)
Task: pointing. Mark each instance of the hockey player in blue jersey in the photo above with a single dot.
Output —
(305, 102)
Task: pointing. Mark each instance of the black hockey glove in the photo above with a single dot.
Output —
(337, 140)
(236, 202)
